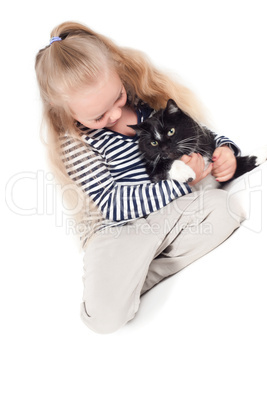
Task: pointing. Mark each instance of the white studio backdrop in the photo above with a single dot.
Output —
(198, 336)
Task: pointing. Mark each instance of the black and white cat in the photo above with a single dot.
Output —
(169, 134)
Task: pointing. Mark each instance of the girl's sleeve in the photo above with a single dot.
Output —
(116, 201)
(221, 140)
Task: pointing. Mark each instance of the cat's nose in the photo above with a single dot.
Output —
(164, 151)
(168, 155)
(164, 155)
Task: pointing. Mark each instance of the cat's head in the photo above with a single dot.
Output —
(167, 134)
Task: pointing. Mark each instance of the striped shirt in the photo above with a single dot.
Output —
(111, 171)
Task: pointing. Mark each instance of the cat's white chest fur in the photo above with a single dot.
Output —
(183, 173)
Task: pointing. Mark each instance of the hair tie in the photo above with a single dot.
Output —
(54, 39)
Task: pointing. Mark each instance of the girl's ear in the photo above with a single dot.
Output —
(172, 107)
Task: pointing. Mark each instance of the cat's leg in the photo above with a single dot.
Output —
(181, 172)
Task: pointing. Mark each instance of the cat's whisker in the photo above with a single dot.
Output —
(186, 149)
(190, 149)
(193, 137)
(155, 162)
(187, 144)
(143, 155)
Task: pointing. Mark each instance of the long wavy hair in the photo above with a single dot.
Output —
(78, 60)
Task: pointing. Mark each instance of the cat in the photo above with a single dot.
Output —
(170, 133)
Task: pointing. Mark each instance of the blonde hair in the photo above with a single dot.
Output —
(78, 60)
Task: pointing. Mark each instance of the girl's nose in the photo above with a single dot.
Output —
(115, 114)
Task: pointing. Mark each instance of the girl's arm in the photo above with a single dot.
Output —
(116, 201)
(224, 159)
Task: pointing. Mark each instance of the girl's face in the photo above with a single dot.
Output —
(99, 105)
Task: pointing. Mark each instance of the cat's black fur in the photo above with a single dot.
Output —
(169, 134)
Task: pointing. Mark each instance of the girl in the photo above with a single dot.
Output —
(135, 233)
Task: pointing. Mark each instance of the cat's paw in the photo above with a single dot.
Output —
(181, 172)
(261, 155)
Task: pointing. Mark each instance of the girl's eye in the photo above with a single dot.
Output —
(99, 119)
(171, 132)
(120, 96)
(154, 143)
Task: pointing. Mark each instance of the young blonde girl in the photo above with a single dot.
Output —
(134, 233)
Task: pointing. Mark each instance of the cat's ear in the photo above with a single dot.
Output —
(135, 127)
(172, 107)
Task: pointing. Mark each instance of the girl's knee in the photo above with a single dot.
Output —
(218, 204)
(104, 319)
(231, 206)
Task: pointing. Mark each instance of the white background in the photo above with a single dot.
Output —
(199, 336)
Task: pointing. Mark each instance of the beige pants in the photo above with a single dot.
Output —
(122, 263)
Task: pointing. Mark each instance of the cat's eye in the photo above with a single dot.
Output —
(171, 132)
(154, 143)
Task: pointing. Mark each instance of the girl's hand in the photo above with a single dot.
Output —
(196, 162)
(224, 163)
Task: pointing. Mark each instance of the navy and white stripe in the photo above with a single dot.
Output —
(222, 140)
(111, 171)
